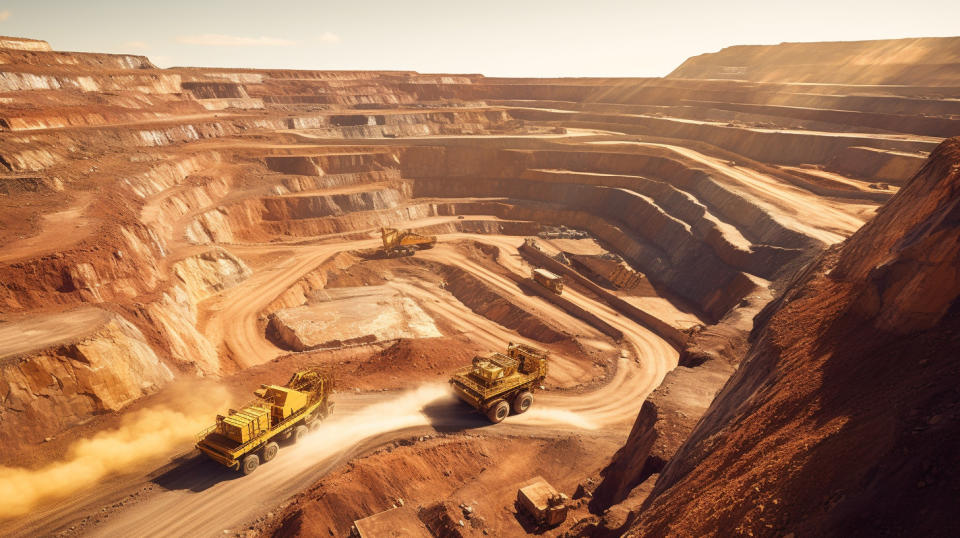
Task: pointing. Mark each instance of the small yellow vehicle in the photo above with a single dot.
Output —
(548, 280)
(245, 438)
(404, 242)
(496, 383)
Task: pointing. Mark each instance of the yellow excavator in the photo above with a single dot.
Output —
(404, 242)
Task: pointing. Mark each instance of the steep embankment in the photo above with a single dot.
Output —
(842, 419)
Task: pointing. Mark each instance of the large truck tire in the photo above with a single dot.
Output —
(270, 451)
(498, 411)
(249, 463)
(522, 402)
(299, 432)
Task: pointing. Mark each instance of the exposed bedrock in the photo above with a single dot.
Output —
(173, 316)
(893, 166)
(348, 316)
(683, 189)
(122, 265)
(716, 287)
(485, 301)
(708, 358)
(334, 163)
(76, 364)
(766, 145)
(665, 249)
(843, 416)
(305, 206)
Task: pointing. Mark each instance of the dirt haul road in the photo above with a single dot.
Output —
(200, 498)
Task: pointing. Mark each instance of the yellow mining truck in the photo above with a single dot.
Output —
(245, 438)
(404, 242)
(496, 383)
(548, 280)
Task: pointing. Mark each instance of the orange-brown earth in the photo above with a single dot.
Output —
(173, 238)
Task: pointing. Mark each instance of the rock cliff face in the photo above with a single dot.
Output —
(843, 417)
(96, 362)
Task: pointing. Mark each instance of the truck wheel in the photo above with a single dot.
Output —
(270, 451)
(498, 411)
(299, 432)
(249, 463)
(522, 402)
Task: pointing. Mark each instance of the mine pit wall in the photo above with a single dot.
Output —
(765, 146)
(568, 306)
(868, 354)
(878, 165)
(300, 183)
(715, 286)
(484, 301)
(654, 174)
(315, 206)
(328, 164)
(49, 390)
(158, 83)
(672, 335)
(173, 317)
(117, 268)
(666, 259)
(34, 152)
(123, 272)
(920, 125)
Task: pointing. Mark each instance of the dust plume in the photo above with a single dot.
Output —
(145, 435)
(404, 411)
(553, 415)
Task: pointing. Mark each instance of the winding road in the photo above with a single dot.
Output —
(198, 498)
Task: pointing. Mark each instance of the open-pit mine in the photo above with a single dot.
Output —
(747, 295)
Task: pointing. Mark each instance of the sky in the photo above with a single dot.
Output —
(492, 37)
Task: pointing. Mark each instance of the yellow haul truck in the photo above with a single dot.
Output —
(404, 242)
(549, 280)
(245, 438)
(495, 383)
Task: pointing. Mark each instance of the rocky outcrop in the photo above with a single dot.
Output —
(19, 43)
(843, 417)
(349, 316)
(57, 371)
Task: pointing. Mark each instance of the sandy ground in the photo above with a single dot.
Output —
(207, 502)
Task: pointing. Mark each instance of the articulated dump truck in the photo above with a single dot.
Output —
(246, 438)
(404, 242)
(496, 383)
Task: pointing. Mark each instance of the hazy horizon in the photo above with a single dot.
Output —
(534, 38)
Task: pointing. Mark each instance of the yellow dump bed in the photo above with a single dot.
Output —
(494, 375)
(548, 280)
(277, 411)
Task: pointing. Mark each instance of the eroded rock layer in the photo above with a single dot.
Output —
(842, 417)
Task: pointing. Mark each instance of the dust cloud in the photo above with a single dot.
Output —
(407, 410)
(145, 435)
(404, 411)
(553, 415)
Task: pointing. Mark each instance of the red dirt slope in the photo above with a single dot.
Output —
(842, 420)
